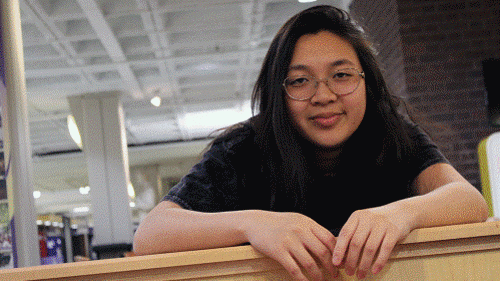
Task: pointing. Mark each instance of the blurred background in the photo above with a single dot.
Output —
(185, 68)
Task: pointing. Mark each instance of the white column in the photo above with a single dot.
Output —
(100, 120)
(17, 146)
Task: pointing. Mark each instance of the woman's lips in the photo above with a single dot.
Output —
(326, 120)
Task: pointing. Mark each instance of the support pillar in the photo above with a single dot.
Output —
(100, 120)
(17, 145)
(68, 240)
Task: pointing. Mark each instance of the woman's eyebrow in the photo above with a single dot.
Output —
(298, 67)
(341, 62)
(332, 65)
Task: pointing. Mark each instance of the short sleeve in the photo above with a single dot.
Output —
(215, 184)
(425, 152)
(208, 185)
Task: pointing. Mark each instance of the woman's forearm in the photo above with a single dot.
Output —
(453, 203)
(378, 229)
(173, 230)
(292, 239)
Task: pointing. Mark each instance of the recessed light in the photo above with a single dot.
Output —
(84, 190)
(156, 101)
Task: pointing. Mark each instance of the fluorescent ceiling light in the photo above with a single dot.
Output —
(81, 210)
(211, 120)
(306, 1)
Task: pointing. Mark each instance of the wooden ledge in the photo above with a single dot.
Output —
(449, 240)
(234, 263)
(453, 232)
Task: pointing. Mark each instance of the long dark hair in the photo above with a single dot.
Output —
(284, 159)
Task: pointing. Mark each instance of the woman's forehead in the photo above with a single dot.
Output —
(324, 48)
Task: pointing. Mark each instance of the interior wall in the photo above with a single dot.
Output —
(443, 44)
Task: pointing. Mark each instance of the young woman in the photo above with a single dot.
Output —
(328, 154)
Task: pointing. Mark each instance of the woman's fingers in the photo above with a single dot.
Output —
(370, 250)
(312, 251)
(367, 240)
(291, 266)
(304, 259)
(356, 247)
(326, 237)
(321, 245)
(299, 244)
(385, 250)
(343, 241)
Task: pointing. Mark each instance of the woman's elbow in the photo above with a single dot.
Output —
(480, 207)
(484, 211)
(140, 244)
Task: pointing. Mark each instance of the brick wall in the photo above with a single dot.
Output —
(380, 22)
(442, 44)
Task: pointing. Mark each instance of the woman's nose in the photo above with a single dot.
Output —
(323, 94)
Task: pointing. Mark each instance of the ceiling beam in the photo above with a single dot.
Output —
(110, 42)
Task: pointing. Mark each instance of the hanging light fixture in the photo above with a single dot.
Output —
(73, 131)
(130, 190)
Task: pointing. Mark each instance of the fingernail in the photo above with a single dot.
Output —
(361, 274)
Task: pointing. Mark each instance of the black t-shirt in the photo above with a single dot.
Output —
(230, 177)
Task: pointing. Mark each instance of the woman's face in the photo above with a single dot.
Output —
(326, 120)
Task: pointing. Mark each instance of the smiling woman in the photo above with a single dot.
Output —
(327, 118)
(328, 173)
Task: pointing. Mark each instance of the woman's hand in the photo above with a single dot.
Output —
(295, 241)
(368, 232)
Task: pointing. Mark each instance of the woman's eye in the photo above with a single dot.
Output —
(297, 82)
(341, 75)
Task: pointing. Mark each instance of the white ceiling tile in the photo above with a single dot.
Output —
(126, 24)
(40, 51)
(75, 27)
(89, 47)
(59, 8)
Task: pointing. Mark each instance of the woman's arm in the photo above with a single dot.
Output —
(292, 239)
(169, 228)
(445, 198)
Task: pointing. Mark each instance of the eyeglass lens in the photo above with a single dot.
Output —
(341, 82)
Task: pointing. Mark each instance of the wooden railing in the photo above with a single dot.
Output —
(459, 252)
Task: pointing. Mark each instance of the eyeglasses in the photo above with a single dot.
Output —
(342, 82)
